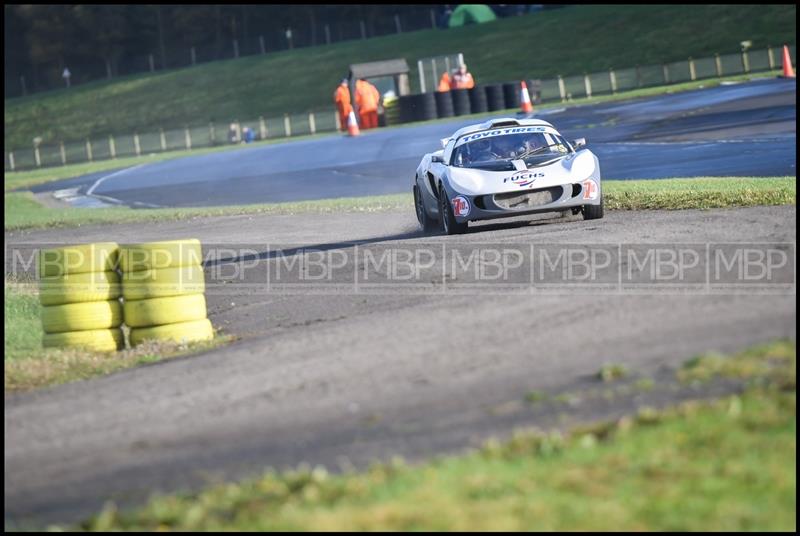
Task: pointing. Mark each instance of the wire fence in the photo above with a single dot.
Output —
(561, 89)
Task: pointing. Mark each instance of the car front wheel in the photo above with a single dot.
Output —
(593, 212)
(449, 224)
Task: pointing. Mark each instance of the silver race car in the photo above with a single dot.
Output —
(505, 167)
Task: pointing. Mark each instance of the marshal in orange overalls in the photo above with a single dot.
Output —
(367, 99)
(342, 99)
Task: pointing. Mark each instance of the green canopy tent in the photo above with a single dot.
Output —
(471, 14)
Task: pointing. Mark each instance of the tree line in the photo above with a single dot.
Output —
(95, 41)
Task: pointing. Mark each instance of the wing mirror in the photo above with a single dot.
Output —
(579, 143)
(437, 158)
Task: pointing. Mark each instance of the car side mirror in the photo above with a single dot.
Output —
(579, 143)
(437, 158)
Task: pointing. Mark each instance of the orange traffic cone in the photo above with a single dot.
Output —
(352, 125)
(788, 72)
(525, 98)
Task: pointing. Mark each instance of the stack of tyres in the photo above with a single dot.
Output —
(391, 110)
(79, 293)
(162, 287)
(477, 99)
(511, 93)
(444, 104)
(461, 105)
(495, 98)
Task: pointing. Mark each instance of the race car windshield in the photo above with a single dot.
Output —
(495, 152)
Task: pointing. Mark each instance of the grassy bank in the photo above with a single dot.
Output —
(22, 211)
(27, 365)
(723, 465)
(530, 46)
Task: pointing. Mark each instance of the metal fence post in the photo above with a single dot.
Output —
(665, 70)
(421, 77)
(22, 83)
(261, 44)
(235, 48)
(433, 19)
(194, 57)
(152, 63)
(638, 76)
(718, 63)
(37, 156)
(212, 133)
(312, 124)
(613, 79)
(363, 29)
(327, 34)
(136, 145)
(11, 162)
(89, 149)
(262, 125)
(562, 89)
(397, 23)
(745, 61)
(238, 130)
(692, 70)
(588, 85)
(163, 139)
(770, 58)
(112, 147)
(188, 137)
(287, 125)
(63, 153)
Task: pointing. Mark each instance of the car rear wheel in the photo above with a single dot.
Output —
(449, 224)
(593, 212)
(426, 222)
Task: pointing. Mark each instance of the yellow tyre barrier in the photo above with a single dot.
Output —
(159, 283)
(158, 311)
(159, 255)
(99, 257)
(81, 316)
(99, 340)
(83, 287)
(197, 330)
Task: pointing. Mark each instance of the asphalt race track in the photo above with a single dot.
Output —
(338, 373)
(746, 129)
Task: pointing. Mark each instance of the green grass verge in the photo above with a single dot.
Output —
(27, 365)
(724, 465)
(23, 211)
(22, 179)
(530, 46)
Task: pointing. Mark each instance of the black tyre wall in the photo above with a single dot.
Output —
(444, 104)
(494, 97)
(461, 103)
(511, 94)
(477, 100)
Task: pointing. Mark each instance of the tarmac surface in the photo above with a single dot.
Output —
(745, 129)
(369, 360)
(332, 372)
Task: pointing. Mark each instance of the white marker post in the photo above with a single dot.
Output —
(66, 76)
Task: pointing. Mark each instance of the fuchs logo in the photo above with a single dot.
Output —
(460, 206)
(523, 178)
